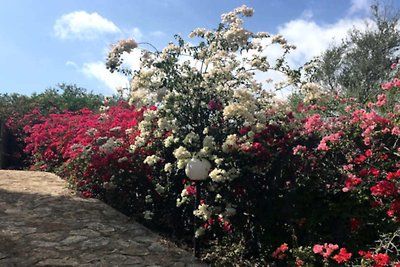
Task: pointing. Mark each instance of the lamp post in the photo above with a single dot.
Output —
(197, 170)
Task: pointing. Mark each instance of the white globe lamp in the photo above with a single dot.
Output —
(198, 169)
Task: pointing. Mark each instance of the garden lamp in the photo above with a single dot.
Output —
(197, 170)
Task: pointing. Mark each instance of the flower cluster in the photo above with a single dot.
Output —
(325, 171)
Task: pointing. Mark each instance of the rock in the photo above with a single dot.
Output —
(42, 223)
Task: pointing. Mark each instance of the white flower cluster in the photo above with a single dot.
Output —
(203, 212)
(221, 175)
(110, 145)
(230, 143)
(114, 57)
(204, 94)
(191, 138)
(151, 160)
(91, 132)
(183, 156)
(311, 91)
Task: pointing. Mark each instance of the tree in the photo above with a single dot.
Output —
(359, 65)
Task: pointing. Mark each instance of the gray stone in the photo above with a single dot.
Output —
(73, 239)
(42, 223)
(96, 242)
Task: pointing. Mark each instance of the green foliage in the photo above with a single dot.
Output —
(361, 62)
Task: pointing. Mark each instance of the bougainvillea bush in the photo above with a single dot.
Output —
(92, 151)
(17, 111)
(317, 185)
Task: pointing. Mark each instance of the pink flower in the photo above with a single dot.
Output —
(333, 138)
(396, 131)
(381, 100)
(396, 82)
(313, 123)
(387, 86)
(317, 249)
(299, 149)
(325, 250)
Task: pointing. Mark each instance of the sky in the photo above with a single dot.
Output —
(47, 42)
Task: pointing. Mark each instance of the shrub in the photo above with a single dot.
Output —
(309, 186)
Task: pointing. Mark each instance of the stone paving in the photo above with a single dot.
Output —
(42, 223)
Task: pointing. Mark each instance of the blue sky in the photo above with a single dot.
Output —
(46, 42)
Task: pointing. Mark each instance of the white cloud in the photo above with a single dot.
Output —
(157, 34)
(136, 34)
(99, 71)
(359, 5)
(307, 14)
(83, 25)
(311, 39)
(132, 60)
(71, 64)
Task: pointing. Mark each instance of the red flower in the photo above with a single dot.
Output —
(354, 224)
(360, 159)
(279, 253)
(384, 188)
(343, 256)
(374, 172)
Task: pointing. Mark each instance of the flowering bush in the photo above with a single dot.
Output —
(308, 186)
(17, 111)
(92, 151)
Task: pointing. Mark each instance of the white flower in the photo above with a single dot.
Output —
(140, 141)
(132, 149)
(148, 215)
(149, 115)
(109, 146)
(218, 175)
(163, 124)
(181, 164)
(181, 153)
(236, 110)
(148, 199)
(199, 232)
(129, 131)
(123, 159)
(151, 160)
(160, 189)
(203, 212)
(312, 91)
(115, 129)
(230, 143)
(168, 167)
(184, 193)
(229, 211)
(191, 138)
(218, 161)
(91, 132)
(208, 141)
(169, 141)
